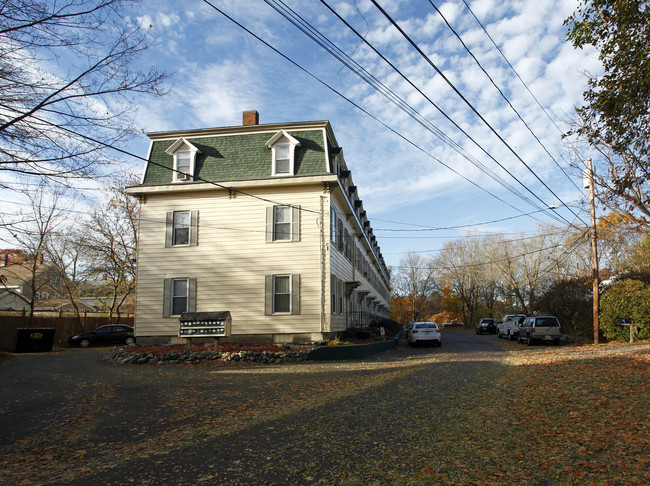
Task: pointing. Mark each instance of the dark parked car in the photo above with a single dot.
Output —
(114, 334)
(486, 325)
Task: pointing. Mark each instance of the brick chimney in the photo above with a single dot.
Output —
(251, 117)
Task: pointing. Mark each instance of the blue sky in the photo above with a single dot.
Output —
(221, 71)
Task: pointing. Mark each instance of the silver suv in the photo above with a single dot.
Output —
(540, 329)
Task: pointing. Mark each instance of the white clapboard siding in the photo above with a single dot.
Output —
(231, 260)
(345, 270)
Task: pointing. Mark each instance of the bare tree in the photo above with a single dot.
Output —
(66, 251)
(57, 122)
(458, 265)
(33, 230)
(489, 286)
(110, 242)
(415, 281)
(526, 265)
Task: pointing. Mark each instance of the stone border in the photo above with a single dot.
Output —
(317, 353)
(120, 356)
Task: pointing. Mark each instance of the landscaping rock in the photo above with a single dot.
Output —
(121, 356)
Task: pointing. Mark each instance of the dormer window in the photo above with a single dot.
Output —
(283, 151)
(282, 159)
(183, 163)
(184, 154)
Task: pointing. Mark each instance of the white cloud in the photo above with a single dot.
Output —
(223, 71)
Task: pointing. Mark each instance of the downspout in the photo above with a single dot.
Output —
(323, 277)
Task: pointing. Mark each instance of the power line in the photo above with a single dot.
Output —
(575, 150)
(460, 39)
(486, 235)
(413, 113)
(512, 67)
(467, 102)
(358, 106)
(333, 50)
(459, 226)
(490, 262)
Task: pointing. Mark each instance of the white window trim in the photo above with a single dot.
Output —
(187, 295)
(194, 229)
(168, 300)
(273, 293)
(294, 215)
(182, 145)
(275, 223)
(189, 228)
(269, 297)
(279, 137)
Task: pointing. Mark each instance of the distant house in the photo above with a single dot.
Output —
(16, 289)
(263, 221)
(64, 305)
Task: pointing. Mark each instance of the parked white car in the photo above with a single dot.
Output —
(509, 327)
(420, 332)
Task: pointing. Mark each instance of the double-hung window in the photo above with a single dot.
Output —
(282, 294)
(282, 159)
(337, 294)
(180, 288)
(182, 228)
(282, 223)
(183, 164)
(179, 296)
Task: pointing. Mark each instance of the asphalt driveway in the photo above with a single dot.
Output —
(451, 415)
(72, 417)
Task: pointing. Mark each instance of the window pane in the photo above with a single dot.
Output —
(282, 285)
(282, 151)
(180, 288)
(181, 235)
(282, 214)
(282, 303)
(282, 223)
(179, 305)
(183, 159)
(179, 297)
(282, 294)
(282, 158)
(282, 166)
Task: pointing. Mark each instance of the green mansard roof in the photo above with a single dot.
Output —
(240, 153)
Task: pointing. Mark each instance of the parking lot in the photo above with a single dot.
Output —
(71, 417)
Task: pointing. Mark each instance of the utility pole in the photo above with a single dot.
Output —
(594, 253)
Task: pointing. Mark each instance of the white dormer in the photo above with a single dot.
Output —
(283, 149)
(184, 154)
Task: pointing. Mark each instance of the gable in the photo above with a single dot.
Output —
(16, 275)
(181, 143)
(238, 157)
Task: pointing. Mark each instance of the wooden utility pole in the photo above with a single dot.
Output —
(594, 254)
